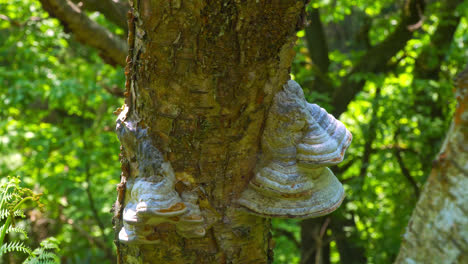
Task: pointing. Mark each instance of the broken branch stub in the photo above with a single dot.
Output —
(299, 141)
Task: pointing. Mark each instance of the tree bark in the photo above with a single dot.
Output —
(201, 76)
(438, 229)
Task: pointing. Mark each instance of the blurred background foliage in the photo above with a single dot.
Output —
(57, 129)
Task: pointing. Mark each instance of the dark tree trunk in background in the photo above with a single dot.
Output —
(315, 245)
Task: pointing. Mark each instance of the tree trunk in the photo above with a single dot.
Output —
(438, 229)
(201, 76)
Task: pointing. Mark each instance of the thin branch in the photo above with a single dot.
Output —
(349, 179)
(57, 116)
(342, 168)
(440, 41)
(114, 90)
(324, 227)
(392, 147)
(289, 235)
(310, 230)
(87, 171)
(91, 199)
(18, 23)
(112, 48)
(404, 170)
(320, 242)
(372, 133)
(91, 239)
(324, 84)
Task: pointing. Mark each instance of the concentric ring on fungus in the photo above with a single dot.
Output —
(299, 141)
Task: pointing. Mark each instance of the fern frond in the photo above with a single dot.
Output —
(17, 230)
(40, 255)
(50, 243)
(19, 213)
(47, 255)
(4, 214)
(17, 246)
(8, 197)
(40, 261)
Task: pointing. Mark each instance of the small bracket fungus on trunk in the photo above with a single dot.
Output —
(299, 141)
(152, 201)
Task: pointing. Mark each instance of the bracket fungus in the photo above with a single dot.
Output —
(299, 141)
(152, 201)
(191, 224)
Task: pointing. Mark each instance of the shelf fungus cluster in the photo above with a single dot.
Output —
(299, 141)
(152, 205)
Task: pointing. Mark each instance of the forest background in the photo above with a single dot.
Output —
(384, 71)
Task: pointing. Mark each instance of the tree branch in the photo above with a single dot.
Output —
(375, 59)
(57, 116)
(114, 10)
(114, 90)
(342, 168)
(320, 243)
(362, 37)
(429, 61)
(283, 232)
(91, 199)
(18, 23)
(91, 239)
(112, 49)
(315, 242)
(371, 135)
(404, 170)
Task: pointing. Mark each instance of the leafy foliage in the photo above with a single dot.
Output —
(17, 246)
(45, 254)
(56, 129)
(12, 197)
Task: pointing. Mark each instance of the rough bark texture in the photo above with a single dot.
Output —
(202, 75)
(438, 229)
